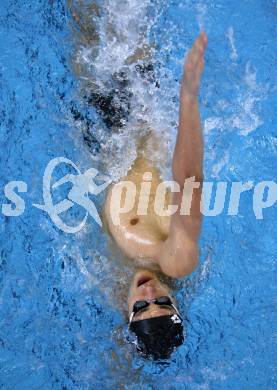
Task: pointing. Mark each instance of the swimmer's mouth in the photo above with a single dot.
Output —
(143, 280)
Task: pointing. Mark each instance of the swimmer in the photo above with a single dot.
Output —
(169, 243)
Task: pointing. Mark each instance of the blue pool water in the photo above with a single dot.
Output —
(62, 296)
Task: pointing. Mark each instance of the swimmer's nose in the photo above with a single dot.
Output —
(150, 292)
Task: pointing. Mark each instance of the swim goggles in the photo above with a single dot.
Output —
(161, 301)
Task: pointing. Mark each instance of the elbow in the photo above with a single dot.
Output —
(183, 264)
(181, 175)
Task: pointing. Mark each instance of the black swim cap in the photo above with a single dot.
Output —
(157, 337)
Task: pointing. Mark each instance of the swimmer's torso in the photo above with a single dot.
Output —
(140, 236)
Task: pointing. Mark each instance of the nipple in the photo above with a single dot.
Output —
(134, 221)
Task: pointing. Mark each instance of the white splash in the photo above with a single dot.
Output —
(217, 167)
(212, 123)
(248, 118)
(245, 117)
(230, 36)
(123, 29)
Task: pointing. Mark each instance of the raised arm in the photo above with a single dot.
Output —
(179, 253)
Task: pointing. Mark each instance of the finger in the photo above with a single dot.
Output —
(199, 44)
(197, 50)
(204, 38)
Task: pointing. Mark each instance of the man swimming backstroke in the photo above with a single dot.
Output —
(155, 240)
(169, 242)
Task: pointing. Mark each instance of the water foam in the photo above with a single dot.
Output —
(123, 30)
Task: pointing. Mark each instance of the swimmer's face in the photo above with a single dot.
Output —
(146, 286)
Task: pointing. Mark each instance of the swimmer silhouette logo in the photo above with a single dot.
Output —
(83, 185)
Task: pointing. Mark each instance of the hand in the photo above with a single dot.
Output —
(194, 66)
